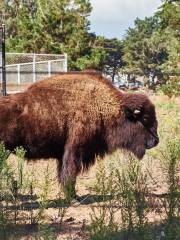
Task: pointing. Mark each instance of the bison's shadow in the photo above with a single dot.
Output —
(30, 202)
(90, 199)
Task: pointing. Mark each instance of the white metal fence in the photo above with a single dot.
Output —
(24, 68)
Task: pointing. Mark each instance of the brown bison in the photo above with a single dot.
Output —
(74, 117)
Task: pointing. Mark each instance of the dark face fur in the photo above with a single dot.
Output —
(140, 128)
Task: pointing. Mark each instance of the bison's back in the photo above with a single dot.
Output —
(77, 92)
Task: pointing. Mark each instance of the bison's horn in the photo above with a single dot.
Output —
(136, 111)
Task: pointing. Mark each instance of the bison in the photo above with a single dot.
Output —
(74, 117)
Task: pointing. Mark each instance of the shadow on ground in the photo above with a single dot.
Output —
(54, 231)
(29, 202)
(24, 230)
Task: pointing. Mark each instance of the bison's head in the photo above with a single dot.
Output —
(140, 125)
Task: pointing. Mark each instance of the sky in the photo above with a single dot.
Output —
(111, 18)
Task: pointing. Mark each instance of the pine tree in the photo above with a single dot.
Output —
(48, 26)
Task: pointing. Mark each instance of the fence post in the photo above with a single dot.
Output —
(65, 62)
(34, 67)
(18, 75)
(49, 68)
(4, 93)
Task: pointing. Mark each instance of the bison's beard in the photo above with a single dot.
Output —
(139, 151)
(133, 139)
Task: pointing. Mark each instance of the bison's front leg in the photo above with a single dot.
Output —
(70, 168)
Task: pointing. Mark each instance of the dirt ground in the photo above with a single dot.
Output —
(77, 216)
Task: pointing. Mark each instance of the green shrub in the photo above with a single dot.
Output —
(171, 156)
(172, 87)
(122, 188)
(15, 181)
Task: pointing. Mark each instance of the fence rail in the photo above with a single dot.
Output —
(24, 68)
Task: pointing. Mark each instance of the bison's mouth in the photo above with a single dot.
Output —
(153, 140)
(152, 143)
(148, 146)
(141, 150)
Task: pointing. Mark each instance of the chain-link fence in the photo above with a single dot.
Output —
(24, 68)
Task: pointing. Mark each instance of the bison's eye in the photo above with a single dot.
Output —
(145, 121)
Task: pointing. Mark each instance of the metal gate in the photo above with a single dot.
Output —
(2, 61)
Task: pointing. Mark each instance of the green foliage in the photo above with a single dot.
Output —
(20, 153)
(3, 157)
(62, 26)
(113, 61)
(171, 157)
(172, 87)
(16, 184)
(96, 56)
(3, 170)
(58, 27)
(103, 224)
(152, 46)
(168, 152)
(69, 190)
(132, 184)
(169, 17)
(46, 232)
(105, 55)
(43, 198)
(122, 188)
(144, 49)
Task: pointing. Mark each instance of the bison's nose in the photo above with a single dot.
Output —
(152, 142)
(156, 141)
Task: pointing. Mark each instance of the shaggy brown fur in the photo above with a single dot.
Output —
(74, 117)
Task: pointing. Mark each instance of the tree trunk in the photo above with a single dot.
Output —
(113, 74)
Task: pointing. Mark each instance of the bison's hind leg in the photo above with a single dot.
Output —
(67, 183)
(68, 170)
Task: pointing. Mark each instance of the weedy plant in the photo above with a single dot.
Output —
(122, 190)
(132, 188)
(43, 197)
(171, 156)
(5, 189)
(103, 224)
(12, 185)
(20, 191)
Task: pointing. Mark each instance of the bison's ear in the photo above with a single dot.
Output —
(132, 114)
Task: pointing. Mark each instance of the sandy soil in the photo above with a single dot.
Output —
(77, 216)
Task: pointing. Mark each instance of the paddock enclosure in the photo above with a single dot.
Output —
(23, 69)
